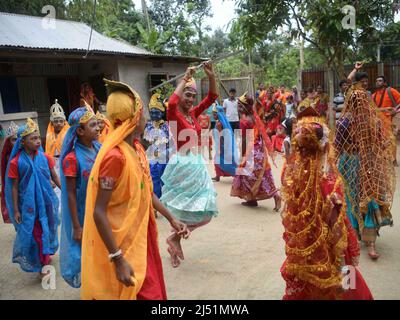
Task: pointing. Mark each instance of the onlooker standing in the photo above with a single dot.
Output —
(387, 100)
(231, 109)
(296, 97)
(290, 108)
(338, 101)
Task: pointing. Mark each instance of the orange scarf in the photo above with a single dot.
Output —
(53, 141)
(128, 211)
(105, 131)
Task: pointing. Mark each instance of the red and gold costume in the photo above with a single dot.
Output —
(316, 226)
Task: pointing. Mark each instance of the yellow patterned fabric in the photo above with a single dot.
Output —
(314, 221)
(30, 127)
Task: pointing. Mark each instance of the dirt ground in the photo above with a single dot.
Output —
(237, 256)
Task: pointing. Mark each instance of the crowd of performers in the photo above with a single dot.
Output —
(104, 178)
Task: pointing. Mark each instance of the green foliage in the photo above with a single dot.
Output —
(152, 40)
(316, 21)
(183, 20)
(114, 18)
(166, 91)
(33, 7)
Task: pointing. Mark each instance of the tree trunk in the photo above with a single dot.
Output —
(340, 64)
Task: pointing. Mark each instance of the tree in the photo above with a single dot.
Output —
(184, 20)
(114, 18)
(216, 44)
(317, 21)
(152, 40)
(32, 7)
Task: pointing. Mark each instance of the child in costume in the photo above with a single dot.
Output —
(78, 154)
(158, 136)
(31, 201)
(11, 138)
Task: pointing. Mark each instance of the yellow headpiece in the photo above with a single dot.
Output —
(30, 127)
(56, 111)
(155, 103)
(122, 103)
(100, 116)
(310, 115)
(87, 116)
(243, 98)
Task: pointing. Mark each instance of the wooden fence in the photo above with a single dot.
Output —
(319, 76)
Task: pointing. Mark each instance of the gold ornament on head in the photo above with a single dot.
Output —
(30, 127)
(56, 111)
(309, 115)
(155, 103)
(243, 98)
(100, 116)
(87, 116)
(12, 129)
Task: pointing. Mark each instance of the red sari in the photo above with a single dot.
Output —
(297, 289)
(5, 156)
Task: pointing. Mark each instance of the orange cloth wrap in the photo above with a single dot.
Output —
(54, 142)
(128, 211)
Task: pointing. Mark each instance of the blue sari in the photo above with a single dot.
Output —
(37, 202)
(70, 250)
(349, 165)
(227, 158)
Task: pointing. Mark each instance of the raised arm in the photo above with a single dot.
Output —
(352, 74)
(178, 93)
(212, 91)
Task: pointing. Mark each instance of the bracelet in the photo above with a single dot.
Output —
(112, 256)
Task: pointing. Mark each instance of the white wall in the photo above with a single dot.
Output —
(136, 74)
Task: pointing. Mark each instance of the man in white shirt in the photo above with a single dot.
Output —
(338, 101)
(231, 109)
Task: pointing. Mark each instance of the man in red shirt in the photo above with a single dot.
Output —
(387, 99)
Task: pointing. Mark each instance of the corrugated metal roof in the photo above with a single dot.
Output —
(29, 32)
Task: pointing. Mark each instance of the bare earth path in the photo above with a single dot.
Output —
(237, 256)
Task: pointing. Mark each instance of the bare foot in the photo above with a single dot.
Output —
(174, 241)
(251, 203)
(175, 262)
(372, 252)
(278, 203)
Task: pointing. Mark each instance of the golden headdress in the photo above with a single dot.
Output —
(100, 116)
(12, 129)
(243, 98)
(56, 111)
(155, 103)
(310, 115)
(30, 127)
